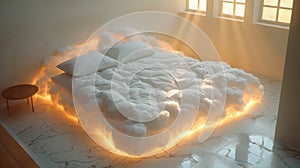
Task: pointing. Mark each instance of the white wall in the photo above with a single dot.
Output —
(32, 30)
(254, 47)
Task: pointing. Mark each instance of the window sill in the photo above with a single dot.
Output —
(192, 13)
(229, 18)
(272, 25)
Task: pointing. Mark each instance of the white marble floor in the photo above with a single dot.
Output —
(56, 141)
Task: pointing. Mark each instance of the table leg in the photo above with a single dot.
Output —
(32, 104)
(7, 104)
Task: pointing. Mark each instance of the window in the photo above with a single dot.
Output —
(276, 11)
(197, 5)
(232, 8)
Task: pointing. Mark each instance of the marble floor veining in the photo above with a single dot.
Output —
(56, 141)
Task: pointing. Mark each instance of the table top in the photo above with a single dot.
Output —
(21, 91)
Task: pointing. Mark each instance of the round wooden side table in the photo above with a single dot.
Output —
(22, 91)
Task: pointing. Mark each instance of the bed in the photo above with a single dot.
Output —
(143, 89)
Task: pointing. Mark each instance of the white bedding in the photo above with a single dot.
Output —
(144, 96)
(145, 92)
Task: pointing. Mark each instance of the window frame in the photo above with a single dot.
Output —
(234, 9)
(276, 22)
(198, 7)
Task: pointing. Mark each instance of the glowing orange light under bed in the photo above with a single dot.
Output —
(198, 127)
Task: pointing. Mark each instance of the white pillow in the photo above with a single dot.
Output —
(133, 49)
(87, 64)
(64, 79)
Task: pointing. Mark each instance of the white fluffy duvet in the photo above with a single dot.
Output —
(141, 90)
(140, 96)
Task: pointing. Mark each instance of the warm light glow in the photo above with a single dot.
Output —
(234, 115)
(106, 137)
(59, 107)
(43, 83)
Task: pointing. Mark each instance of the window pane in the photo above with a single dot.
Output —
(271, 2)
(284, 15)
(286, 3)
(227, 8)
(229, 0)
(203, 5)
(193, 4)
(239, 10)
(241, 1)
(269, 13)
